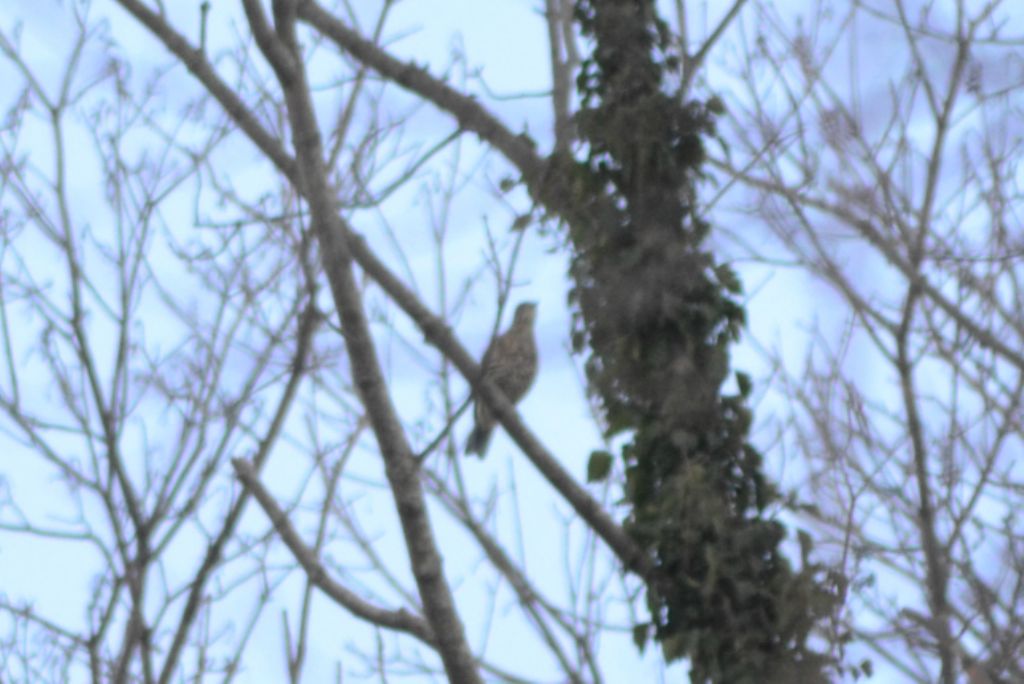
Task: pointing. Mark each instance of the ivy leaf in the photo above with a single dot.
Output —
(745, 384)
(640, 636)
(599, 466)
(728, 278)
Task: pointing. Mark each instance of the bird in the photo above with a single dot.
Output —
(510, 362)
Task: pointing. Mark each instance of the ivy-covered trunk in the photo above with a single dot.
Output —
(657, 315)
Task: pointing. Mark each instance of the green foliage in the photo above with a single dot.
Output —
(599, 466)
(657, 315)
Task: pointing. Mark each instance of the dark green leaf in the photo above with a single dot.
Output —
(728, 278)
(640, 636)
(599, 466)
(745, 384)
(716, 105)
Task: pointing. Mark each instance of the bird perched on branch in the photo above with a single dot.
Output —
(511, 364)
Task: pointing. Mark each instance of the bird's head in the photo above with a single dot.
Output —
(525, 314)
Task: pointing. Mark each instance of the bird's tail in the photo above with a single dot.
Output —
(478, 439)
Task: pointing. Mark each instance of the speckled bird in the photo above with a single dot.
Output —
(511, 364)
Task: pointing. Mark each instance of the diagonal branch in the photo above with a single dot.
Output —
(470, 114)
(400, 620)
